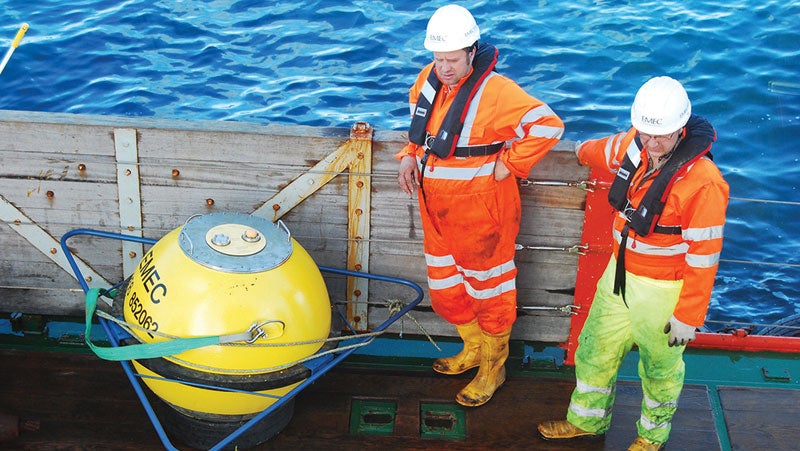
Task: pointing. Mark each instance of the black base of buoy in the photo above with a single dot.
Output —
(204, 431)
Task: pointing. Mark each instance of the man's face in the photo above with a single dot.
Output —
(659, 145)
(452, 66)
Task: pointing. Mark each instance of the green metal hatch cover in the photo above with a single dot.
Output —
(443, 421)
(372, 417)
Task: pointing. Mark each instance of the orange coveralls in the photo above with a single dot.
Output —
(471, 221)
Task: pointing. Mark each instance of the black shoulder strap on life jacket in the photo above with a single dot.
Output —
(618, 192)
(695, 144)
(446, 139)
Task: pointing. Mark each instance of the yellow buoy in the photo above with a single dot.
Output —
(227, 274)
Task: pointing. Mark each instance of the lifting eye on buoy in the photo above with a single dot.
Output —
(266, 329)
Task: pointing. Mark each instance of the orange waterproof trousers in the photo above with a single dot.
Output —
(469, 245)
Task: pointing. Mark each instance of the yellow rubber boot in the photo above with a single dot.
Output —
(642, 444)
(470, 355)
(563, 430)
(492, 371)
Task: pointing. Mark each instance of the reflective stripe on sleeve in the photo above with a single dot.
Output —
(702, 261)
(703, 233)
(546, 131)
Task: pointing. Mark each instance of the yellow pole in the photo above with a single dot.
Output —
(14, 45)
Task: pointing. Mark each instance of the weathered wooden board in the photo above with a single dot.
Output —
(61, 171)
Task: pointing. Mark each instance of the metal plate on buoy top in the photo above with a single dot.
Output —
(235, 242)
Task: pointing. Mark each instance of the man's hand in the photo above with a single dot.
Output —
(679, 333)
(501, 170)
(408, 174)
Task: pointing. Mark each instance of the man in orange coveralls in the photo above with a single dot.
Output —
(670, 200)
(472, 133)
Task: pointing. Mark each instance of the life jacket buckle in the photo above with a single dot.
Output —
(628, 211)
(428, 141)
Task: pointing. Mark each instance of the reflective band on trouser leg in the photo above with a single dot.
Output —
(661, 367)
(602, 345)
(446, 289)
(460, 294)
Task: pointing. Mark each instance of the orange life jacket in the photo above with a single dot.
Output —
(500, 112)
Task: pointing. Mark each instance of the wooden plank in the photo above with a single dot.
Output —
(756, 417)
(63, 301)
(67, 139)
(44, 166)
(234, 147)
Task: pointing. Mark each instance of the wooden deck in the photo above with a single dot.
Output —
(85, 403)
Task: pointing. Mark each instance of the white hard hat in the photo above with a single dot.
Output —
(661, 107)
(451, 28)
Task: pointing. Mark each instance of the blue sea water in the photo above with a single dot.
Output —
(336, 62)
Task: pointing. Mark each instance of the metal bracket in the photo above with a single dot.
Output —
(584, 185)
(565, 309)
(46, 244)
(776, 375)
(576, 249)
(130, 199)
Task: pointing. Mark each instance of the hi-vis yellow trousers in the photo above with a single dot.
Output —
(610, 332)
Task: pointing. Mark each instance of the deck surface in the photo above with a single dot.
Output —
(84, 403)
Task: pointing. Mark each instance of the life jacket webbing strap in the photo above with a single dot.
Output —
(478, 151)
(668, 230)
(619, 275)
